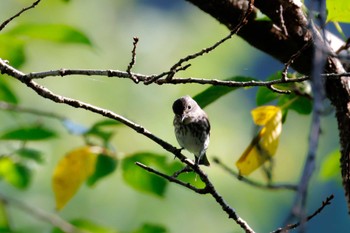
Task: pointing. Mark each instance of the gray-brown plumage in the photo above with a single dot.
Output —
(192, 128)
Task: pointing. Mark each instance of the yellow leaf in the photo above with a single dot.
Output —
(71, 171)
(338, 10)
(261, 115)
(264, 145)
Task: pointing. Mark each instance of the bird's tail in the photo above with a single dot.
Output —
(203, 160)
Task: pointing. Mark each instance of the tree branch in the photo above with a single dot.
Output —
(270, 37)
(318, 211)
(44, 92)
(133, 61)
(172, 179)
(269, 186)
(54, 220)
(4, 24)
(209, 189)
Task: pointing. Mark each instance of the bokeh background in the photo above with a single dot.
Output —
(168, 31)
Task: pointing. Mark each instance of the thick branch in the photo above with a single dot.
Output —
(285, 35)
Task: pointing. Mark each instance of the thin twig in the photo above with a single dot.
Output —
(170, 74)
(292, 59)
(209, 189)
(42, 215)
(133, 60)
(253, 183)
(4, 24)
(318, 211)
(283, 25)
(172, 179)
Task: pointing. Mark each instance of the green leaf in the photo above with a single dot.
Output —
(6, 94)
(4, 221)
(330, 168)
(15, 174)
(142, 180)
(12, 50)
(106, 123)
(300, 104)
(213, 93)
(98, 130)
(51, 32)
(265, 95)
(151, 228)
(30, 154)
(87, 226)
(105, 165)
(338, 10)
(28, 134)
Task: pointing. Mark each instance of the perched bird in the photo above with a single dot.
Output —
(192, 128)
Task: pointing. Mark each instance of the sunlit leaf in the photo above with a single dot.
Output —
(330, 168)
(88, 227)
(31, 154)
(71, 171)
(12, 50)
(28, 134)
(14, 173)
(105, 165)
(151, 228)
(264, 145)
(338, 10)
(213, 93)
(142, 180)
(51, 32)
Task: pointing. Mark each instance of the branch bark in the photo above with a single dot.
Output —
(286, 34)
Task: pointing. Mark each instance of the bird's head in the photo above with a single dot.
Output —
(184, 108)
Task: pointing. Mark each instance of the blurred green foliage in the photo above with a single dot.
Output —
(98, 35)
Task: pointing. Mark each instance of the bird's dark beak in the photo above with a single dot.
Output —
(182, 117)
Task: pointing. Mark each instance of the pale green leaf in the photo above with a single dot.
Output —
(142, 180)
(51, 32)
(213, 93)
(330, 168)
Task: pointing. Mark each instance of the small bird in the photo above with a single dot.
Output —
(192, 128)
